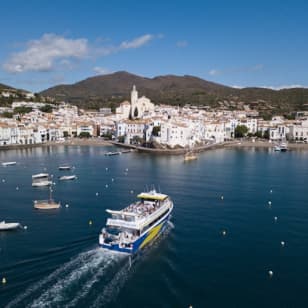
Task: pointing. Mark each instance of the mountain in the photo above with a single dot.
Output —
(109, 90)
(5, 87)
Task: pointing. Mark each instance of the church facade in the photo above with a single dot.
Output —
(137, 108)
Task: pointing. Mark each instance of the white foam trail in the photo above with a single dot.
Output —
(55, 285)
(73, 282)
(112, 289)
(171, 225)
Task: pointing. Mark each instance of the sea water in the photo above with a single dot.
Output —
(222, 243)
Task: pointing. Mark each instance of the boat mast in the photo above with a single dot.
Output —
(50, 192)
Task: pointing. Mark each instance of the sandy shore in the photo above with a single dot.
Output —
(87, 142)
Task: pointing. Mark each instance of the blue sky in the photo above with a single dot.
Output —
(237, 43)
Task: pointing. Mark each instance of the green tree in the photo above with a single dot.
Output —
(240, 131)
(259, 134)
(121, 139)
(84, 135)
(156, 130)
(22, 110)
(7, 114)
(266, 134)
(46, 108)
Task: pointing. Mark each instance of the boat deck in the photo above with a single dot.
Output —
(142, 208)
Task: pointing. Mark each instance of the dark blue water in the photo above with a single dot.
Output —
(56, 262)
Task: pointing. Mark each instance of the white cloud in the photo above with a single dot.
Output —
(214, 72)
(137, 42)
(182, 44)
(53, 50)
(291, 86)
(244, 69)
(101, 70)
(41, 54)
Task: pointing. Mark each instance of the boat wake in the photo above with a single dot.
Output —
(91, 279)
(73, 283)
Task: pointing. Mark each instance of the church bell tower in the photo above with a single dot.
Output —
(134, 103)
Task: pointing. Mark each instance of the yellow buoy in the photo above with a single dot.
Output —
(3, 280)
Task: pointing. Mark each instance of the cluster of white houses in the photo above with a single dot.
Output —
(141, 121)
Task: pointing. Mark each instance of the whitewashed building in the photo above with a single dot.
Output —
(299, 131)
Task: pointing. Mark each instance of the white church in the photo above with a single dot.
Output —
(136, 108)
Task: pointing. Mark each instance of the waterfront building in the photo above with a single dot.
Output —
(86, 127)
(299, 131)
(173, 134)
(279, 132)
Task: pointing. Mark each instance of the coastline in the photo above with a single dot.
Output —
(71, 142)
(101, 142)
(265, 144)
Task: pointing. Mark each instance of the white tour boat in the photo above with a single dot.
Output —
(5, 226)
(41, 179)
(137, 225)
(49, 204)
(67, 177)
(9, 163)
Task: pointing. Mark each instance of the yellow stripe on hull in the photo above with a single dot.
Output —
(152, 234)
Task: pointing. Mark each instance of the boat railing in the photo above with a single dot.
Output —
(121, 223)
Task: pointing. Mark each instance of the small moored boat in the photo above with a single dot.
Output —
(190, 156)
(49, 204)
(132, 228)
(41, 179)
(282, 147)
(112, 153)
(65, 167)
(6, 226)
(67, 177)
(9, 163)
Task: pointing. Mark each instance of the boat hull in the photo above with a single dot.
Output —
(142, 241)
(67, 177)
(64, 168)
(42, 184)
(9, 226)
(40, 205)
(10, 163)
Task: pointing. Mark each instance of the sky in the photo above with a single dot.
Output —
(236, 43)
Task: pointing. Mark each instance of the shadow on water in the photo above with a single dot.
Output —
(93, 278)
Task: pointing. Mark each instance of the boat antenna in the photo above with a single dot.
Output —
(159, 189)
